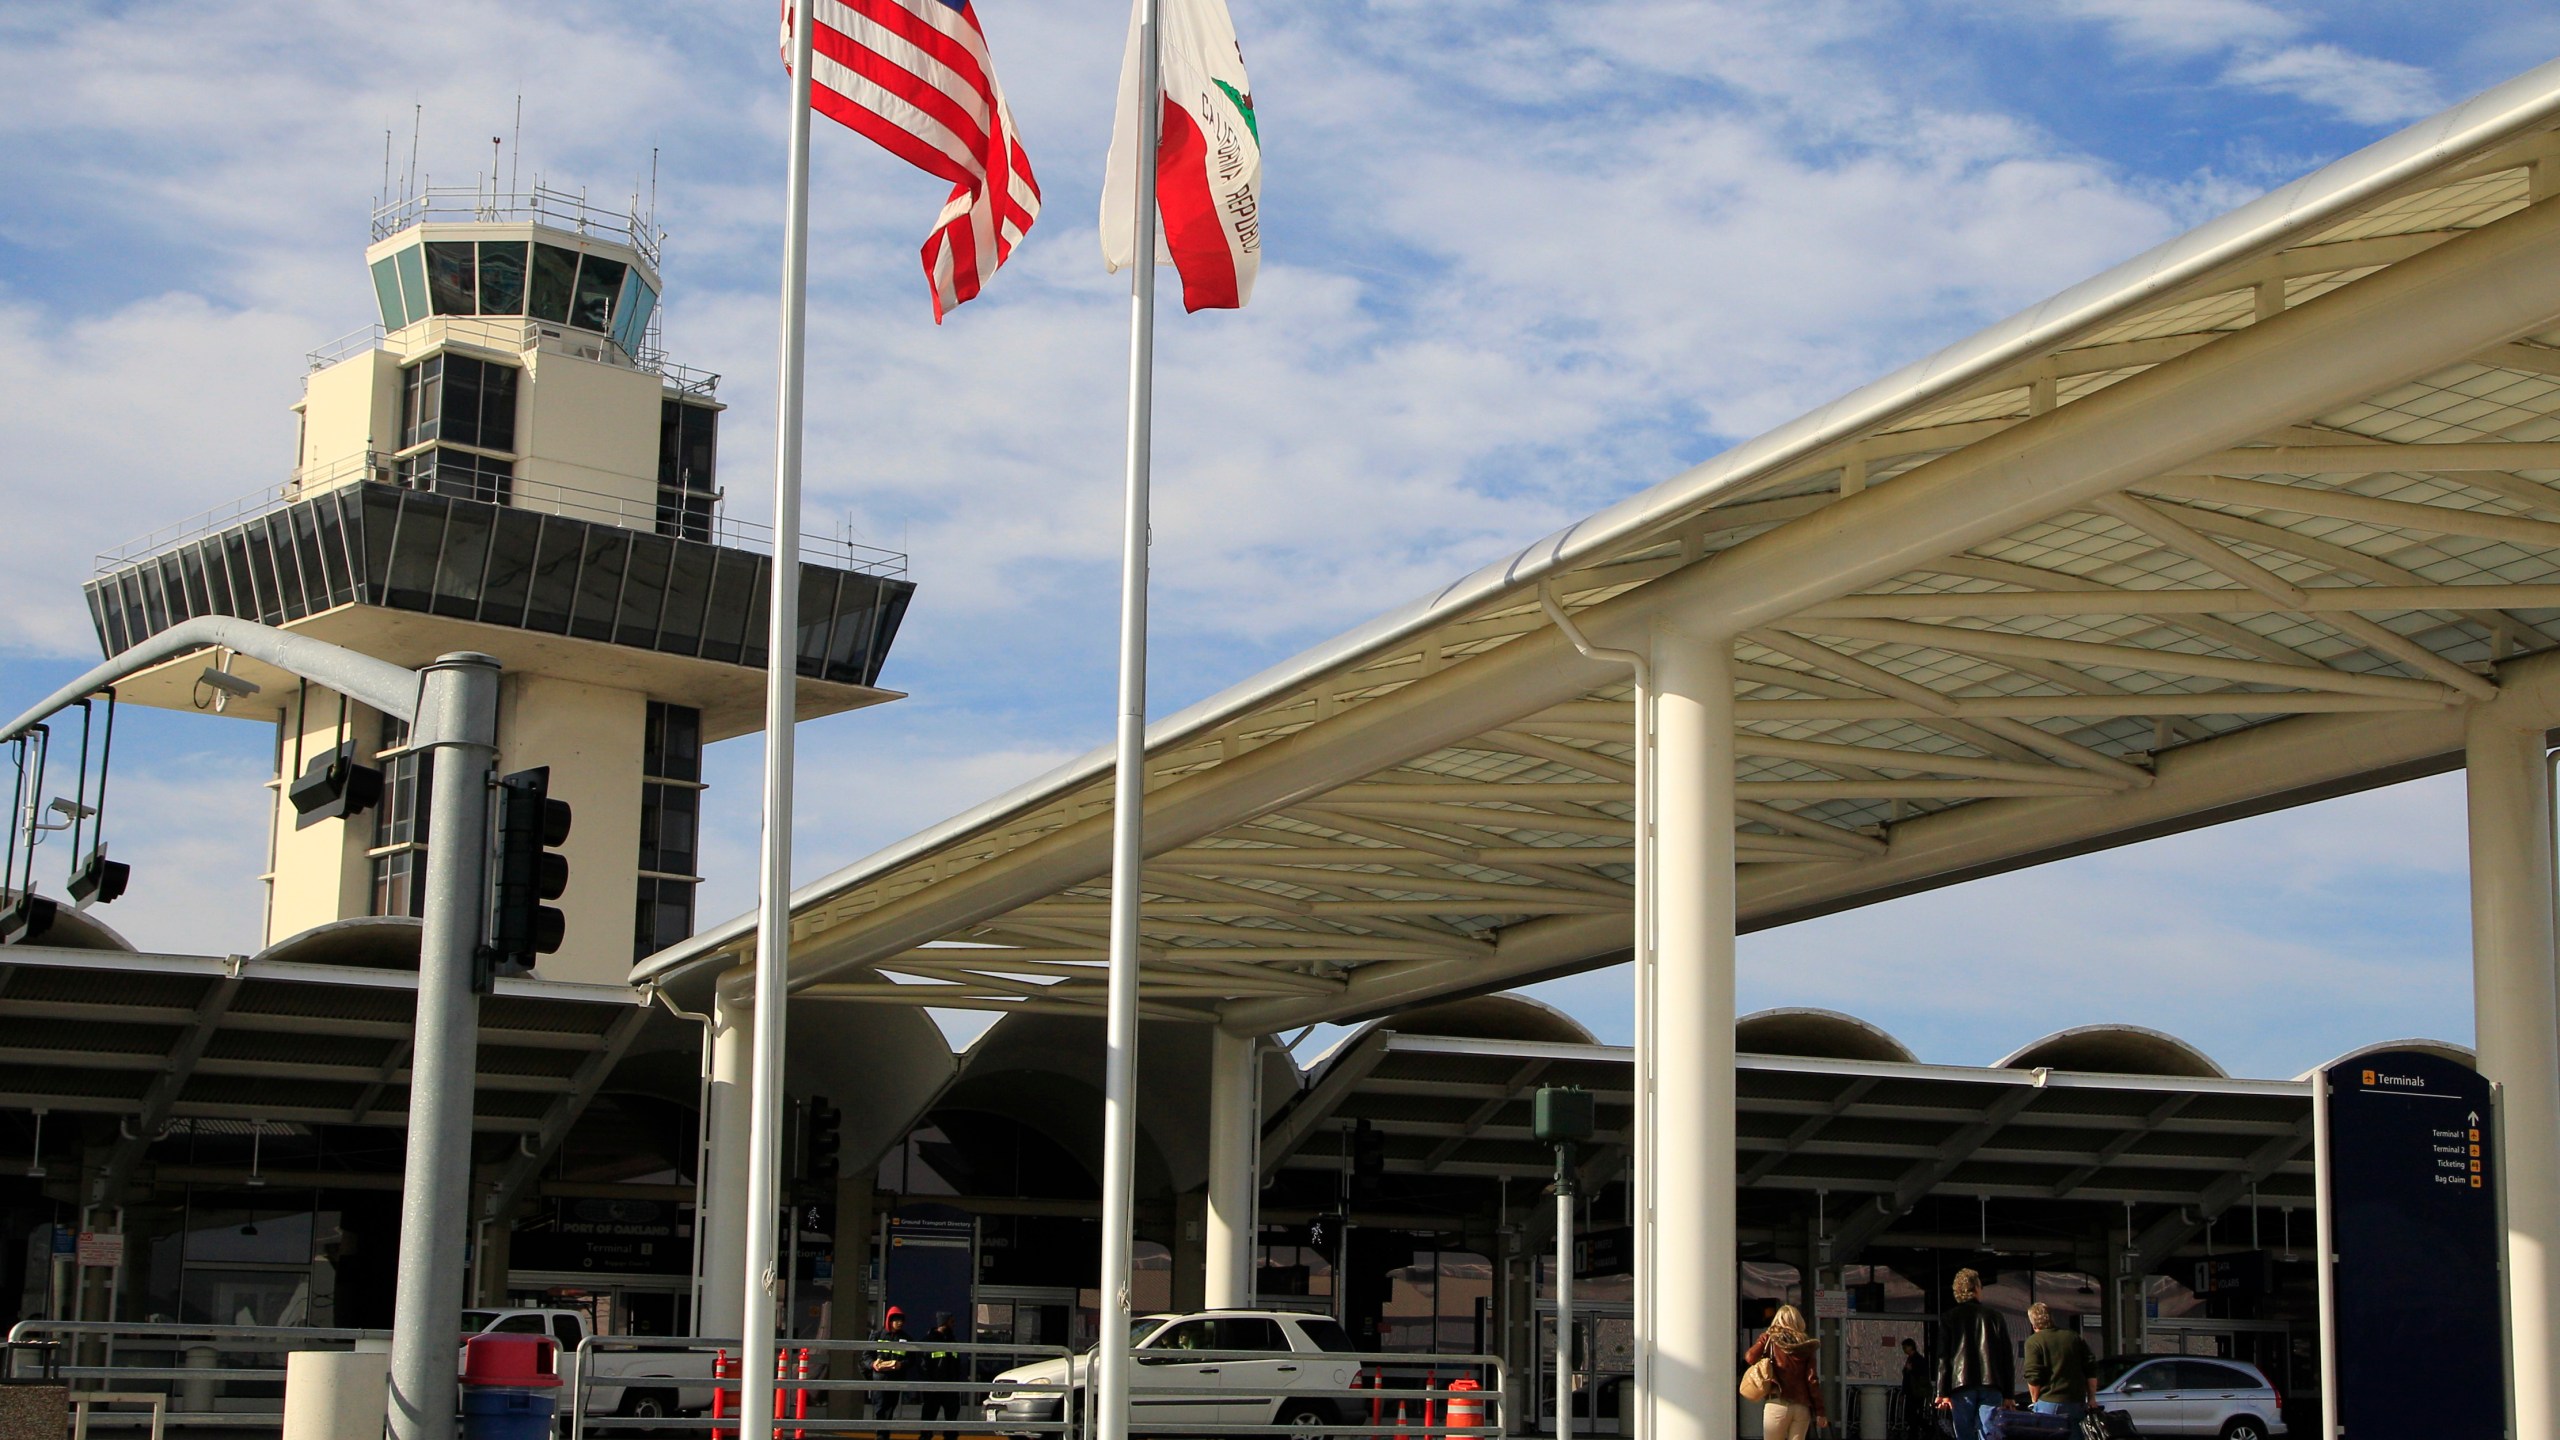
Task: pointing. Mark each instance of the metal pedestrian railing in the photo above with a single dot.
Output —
(624, 1385)
(211, 1375)
(690, 1385)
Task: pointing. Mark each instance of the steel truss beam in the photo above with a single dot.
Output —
(162, 1095)
(2163, 1236)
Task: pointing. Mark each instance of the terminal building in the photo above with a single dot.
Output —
(2267, 515)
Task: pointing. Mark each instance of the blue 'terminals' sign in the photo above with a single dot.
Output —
(2414, 1205)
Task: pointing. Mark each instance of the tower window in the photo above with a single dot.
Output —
(458, 400)
(399, 851)
(688, 445)
(555, 281)
(452, 281)
(599, 285)
(502, 277)
(670, 826)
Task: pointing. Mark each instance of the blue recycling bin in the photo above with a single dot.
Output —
(504, 1412)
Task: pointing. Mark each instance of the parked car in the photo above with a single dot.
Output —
(2185, 1395)
(1286, 1353)
(634, 1383)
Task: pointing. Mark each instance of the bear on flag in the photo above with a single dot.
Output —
(1208, 159)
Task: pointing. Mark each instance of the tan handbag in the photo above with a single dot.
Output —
(1760, 1382)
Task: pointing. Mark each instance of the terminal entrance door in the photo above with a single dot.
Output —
(1604, 1368)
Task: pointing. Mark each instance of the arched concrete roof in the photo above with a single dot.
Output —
(2462, 1055)
(1046, 1071)
(372, 942)
(882, 1065)
(1817, 1035)
(80, 930)
(2115, 1050)
(1506, 1016)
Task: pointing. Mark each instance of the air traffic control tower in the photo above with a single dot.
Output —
(506, 463)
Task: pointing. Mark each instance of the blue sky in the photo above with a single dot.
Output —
(1522, 259)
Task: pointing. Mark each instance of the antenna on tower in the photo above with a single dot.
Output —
(653, 187)
(496, 144)
(382, 196)
(409, 181)
(516, 170)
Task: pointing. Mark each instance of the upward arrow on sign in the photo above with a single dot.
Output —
(2475, 1117)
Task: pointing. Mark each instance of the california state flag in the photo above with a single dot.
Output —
(1208, 161)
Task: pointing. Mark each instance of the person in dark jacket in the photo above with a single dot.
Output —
(1919, 1390)
(1976, 1365)
(1796, 1409)
(889, 1366)
(2062, 1372)
(943, 1366)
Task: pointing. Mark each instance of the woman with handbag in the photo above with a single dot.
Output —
(1779, 1371)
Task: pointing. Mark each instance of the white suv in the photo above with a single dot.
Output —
(1255, 1359)
(2184, 1395)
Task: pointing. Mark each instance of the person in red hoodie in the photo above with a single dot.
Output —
(1792, 1413)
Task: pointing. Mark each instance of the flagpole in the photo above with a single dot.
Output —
(1129, 779)
(762, 1284)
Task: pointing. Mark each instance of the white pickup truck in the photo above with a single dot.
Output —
(638, 1383)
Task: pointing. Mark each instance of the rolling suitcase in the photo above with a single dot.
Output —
(2028, 1425)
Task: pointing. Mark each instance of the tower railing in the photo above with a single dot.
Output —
(630, 512)
(541, 205)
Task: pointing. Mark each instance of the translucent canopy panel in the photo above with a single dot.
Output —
(514, 277)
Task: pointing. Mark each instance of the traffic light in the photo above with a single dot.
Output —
(825, 1132)
(529, 871)
(1368, 1158)
(99, 880)
(334, 787)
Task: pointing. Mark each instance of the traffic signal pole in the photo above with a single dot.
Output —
(458, 720)
(451, 706)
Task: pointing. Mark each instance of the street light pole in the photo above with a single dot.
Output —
(457, 724)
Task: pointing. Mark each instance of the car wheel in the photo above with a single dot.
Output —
(2244, 1427)
(643, 1405)
(1300, 1420)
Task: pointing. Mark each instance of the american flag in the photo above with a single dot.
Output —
(914, 76)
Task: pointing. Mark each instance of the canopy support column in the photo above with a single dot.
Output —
(727, 1164)
(2516, 1000)
(1234, 1122)
(1689, 1148)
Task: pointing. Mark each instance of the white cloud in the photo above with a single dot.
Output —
(2362, 88)
(2187, 27)
(2272, 943)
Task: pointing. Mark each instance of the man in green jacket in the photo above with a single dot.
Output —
(2062, 1374)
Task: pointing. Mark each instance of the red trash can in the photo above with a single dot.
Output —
(508, 1385)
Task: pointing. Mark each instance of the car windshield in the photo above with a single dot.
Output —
(475, 1321)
